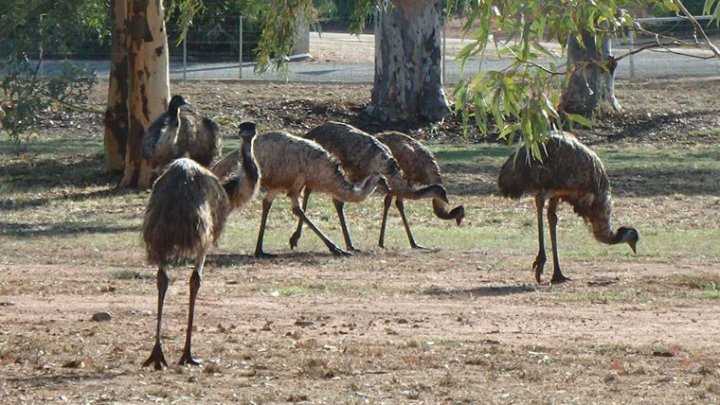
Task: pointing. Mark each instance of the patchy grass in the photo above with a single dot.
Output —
(460, 322)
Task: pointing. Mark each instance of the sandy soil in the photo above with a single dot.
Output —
(448, 326)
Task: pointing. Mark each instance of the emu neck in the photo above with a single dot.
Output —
(442, 210)
(248, 162)
(603, 233)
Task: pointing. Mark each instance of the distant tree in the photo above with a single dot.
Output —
(408, 80)
(30, 28)
(529, 98)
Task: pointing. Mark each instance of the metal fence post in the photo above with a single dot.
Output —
(631, 39)
(185, 57)
(444, 47)
(240, 46)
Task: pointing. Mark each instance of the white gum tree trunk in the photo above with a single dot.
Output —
(148, 82)
(592, 75)
(116, 115)
(408, 58)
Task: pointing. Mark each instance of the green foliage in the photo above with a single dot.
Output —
(712, 7)
(277, 38)
(522, 98)
(28, 29)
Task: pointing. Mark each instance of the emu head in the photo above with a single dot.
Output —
(629, 235)
(438, 191)
(458, 213)
(175, 103)
(247, 130)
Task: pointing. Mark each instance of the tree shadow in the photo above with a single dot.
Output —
(42, 380)
(489, 291)
(60, 229)
(75, 171)
(9, 204)
(305, 258)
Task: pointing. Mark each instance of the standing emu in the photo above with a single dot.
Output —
(419, 167)
(571, 172)
(360, 154)
(181, 132)
(288, 164)
(184, 218)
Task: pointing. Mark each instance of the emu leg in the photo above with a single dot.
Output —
(157, 358)
(266, 204)
(539, 263)
(298, 232)
(386, 208)
(297, 210)
(401, 207)
(557, 277)
(194, 287)
(341, 215)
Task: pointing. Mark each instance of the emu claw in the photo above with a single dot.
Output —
(187, 359)
(294, 240)
(539, 267)
(263, 255)
(157, 358)
(338, 252)
(559, 278)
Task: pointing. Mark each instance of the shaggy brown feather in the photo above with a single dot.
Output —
(186, 213)
(360, 154)
(288, 164)
(570, 172)
(419, 167)
(181, 132)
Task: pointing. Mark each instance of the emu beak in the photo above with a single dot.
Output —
(632, 244)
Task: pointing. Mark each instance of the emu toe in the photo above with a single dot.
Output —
(262, 255)
(558, 277)
(294, 240)
(539, 267)
(157, 358)
(187, 359)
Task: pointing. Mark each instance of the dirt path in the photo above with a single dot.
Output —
(381, 328)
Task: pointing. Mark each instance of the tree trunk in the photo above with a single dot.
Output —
(148, 82)
(408, 62)
(592, 75)
(116, 114)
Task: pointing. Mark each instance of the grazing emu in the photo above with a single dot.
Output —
(360, 154)
(184, 218)
(288, 164)
(419, 167)
(571, 172)
(181, 132)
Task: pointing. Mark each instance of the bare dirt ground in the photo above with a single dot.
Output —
(450, 325)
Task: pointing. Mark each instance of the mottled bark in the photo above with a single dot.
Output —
(148, 82)
(592, 75)
(408, 62)
(116, 114)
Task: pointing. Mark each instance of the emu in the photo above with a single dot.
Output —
(360, 154)
(289, 164)
(181, 132)
(571, 172)
(184, 218)
(419, 167)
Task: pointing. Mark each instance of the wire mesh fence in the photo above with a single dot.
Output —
(227, 50)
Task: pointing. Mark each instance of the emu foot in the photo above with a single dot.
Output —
(539, 267)
(418, 247)
(262, 255)
(559, 278)
(157, 358)
(187, 359)
(294, 240)
(337, 251)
